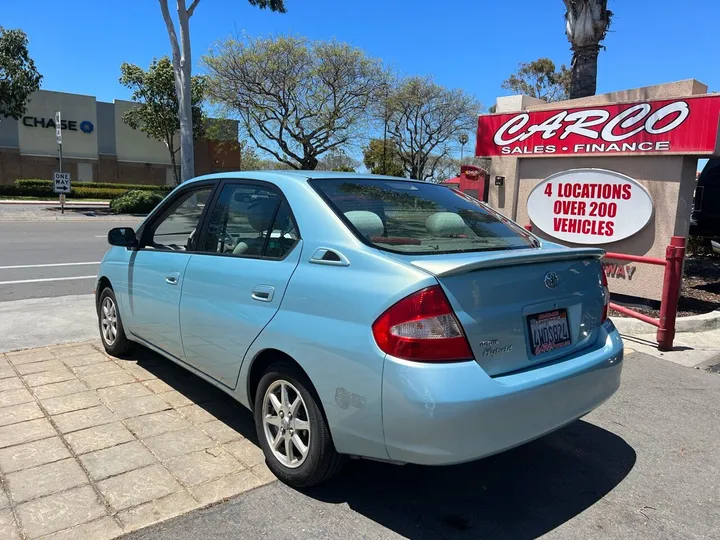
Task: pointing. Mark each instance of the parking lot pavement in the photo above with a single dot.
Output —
(96, 446)
(645, 465)
(92, 447)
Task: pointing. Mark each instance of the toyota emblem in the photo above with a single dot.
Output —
(551, 280)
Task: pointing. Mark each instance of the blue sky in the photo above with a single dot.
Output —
(79, 45)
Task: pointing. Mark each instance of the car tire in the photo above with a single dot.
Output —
(112, 333)
(320, 461)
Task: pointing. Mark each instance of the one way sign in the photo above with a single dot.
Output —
(62, 182)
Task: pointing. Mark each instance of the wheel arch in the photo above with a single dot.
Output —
(102, 284)
(263, 360)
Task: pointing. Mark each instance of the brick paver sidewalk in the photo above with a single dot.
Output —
(92, 446)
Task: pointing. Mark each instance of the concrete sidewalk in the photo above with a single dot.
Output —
(690, 349)
(92, 446)
(20, 211)
(46, 321)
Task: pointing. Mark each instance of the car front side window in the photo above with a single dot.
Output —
(177, 229)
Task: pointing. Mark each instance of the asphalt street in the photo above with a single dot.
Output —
(40, 259)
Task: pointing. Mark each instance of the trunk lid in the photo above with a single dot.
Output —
(494, 293)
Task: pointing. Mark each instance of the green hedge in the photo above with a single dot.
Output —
(79, 190)
(38, 182)
(75, 192)
(95, 193)
(136, 201)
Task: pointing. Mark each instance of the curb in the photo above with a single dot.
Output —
(96, 219)
(696, 323)
(54, 204)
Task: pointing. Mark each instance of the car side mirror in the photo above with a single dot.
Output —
(122, 236)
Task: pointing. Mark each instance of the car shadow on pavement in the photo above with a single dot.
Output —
(522, 493)
(199, 392)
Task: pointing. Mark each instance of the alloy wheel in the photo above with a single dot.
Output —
(108, 321)
(286, 424)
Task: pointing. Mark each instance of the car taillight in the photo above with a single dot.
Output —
(606, 294)
(422, 327)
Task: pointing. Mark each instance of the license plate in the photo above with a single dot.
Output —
(548, 331)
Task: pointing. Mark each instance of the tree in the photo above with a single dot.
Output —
(424, 119)
(18, 76)
(251, 161)
(157, 112)
(295, 99)
(463, 139)
(382, 158)
(540, 79)
(182, 63)
(337, 160)
(586, 24)
(449, 167)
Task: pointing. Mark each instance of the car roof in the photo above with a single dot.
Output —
(294, 176)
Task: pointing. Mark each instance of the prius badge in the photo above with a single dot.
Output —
(551, 280)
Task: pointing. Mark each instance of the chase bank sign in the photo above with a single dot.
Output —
(71, 125)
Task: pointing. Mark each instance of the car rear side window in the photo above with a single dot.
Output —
(419, 218)
(250, 221)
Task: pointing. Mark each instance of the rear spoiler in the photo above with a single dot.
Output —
(452, 266)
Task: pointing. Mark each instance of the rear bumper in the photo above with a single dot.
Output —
(453, 413)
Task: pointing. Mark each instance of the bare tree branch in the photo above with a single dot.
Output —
(299, 98)
(192, 7)
(422, 117)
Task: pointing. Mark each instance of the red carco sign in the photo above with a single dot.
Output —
(679, 126)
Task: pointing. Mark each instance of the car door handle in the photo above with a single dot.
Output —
(329, 257)
(172, 278)
(263, 293)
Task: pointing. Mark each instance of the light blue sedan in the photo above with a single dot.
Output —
(363, 316)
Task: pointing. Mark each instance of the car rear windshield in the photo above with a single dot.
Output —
(419, 218)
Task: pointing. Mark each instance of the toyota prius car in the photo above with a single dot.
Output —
(362, 316)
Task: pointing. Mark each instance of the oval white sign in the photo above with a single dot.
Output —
(589, 206)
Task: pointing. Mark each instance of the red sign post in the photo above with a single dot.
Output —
(679, 126)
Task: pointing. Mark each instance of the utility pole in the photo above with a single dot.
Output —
(58, 138)
(385, 122)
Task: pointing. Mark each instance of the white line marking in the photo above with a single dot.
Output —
(102, 236)
(46, 265)
(18, 282)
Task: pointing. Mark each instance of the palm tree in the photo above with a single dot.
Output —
(586, 24)
(463, 140)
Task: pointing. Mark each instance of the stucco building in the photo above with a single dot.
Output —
(97, 145)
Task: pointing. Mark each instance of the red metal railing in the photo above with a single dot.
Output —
(673, 262)
(672, 280)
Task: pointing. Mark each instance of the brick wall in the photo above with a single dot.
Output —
(216, 156)
(9, 165)
(210, 156)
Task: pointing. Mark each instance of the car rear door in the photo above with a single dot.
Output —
(234, 284)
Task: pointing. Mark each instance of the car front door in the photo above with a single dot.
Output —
(235, 282)
(156, 269)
